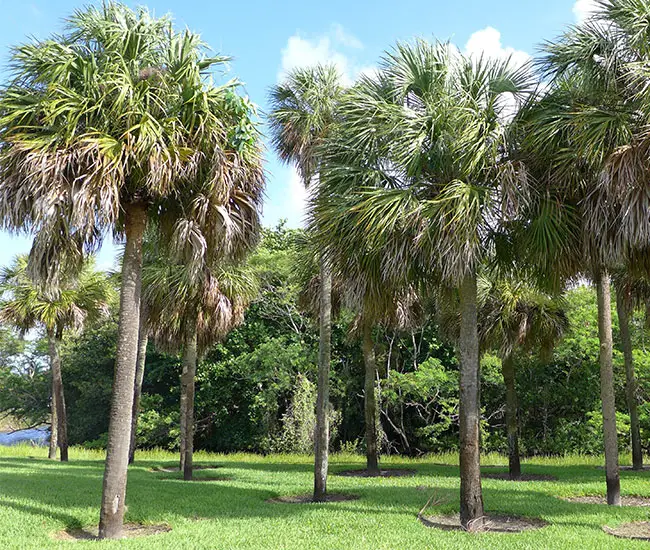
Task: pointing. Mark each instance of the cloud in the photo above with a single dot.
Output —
(336, 46)
(487, 42)
(584, 9)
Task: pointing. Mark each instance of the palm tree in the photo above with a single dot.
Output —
(190, 313)
(517, 315)
(632, 291)
(587, 134)
(417, 171)
(103, 127)
(143, 340)
(79, 298)
(303, 114)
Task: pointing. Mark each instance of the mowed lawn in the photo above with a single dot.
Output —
(39, 498)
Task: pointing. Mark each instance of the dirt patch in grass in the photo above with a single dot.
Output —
(637, 530)
(129, 531)
(170, 469)
(524, 477)
(625, 500)
(309, 499)
(493, 523)
(395, 472)
(207, 478)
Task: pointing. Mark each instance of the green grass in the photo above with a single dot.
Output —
(40, 497)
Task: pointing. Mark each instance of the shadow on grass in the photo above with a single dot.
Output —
(69, 521)
(52, 490)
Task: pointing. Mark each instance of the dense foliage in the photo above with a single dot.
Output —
(255, 390)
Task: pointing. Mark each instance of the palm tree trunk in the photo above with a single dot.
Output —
(58, 397)
(54, 428)
(630, 380)
(508, 370)
(187, 390)
(607, 388)
(370, 401)
(111, 517)
(471, 495)
(143, 340)
(322, 399)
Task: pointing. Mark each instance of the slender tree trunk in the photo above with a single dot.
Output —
(630, 380)
(370, 401)
(181, 425)
(508, 369)
(607, 388)
(187, 389)
(54, 429)
(322, 399)
(111, 517)
(143, 340)
(58, 397)
(471, 495)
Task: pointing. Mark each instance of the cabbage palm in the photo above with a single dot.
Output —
(303, 114)
(143, 341)
(103, 127)
(418, 172)
(77, 299)
(632, 291)
(587, 132)
(517, 315)
(191, 312)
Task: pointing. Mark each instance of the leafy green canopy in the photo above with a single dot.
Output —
(79, 298)
(121, 109)
(418, 169)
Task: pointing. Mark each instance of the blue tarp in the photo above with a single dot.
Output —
(35, 436)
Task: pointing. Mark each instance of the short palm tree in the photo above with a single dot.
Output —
(632, 292)
(516, 315)
(417, 171)
(79, 298)
(191, 312)
(104, 127)
(303, 114)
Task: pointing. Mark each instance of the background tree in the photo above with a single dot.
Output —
(78, 298)
(193, 313)
(515, 315)
(303, 113)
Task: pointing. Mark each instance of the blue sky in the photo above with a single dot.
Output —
(269, 37)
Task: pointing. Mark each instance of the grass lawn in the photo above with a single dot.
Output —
(39, 498)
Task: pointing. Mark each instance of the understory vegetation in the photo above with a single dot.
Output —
(256, 390)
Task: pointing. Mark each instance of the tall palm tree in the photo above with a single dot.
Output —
(417, 171)
(78, 298)
(103, 127)
(303, 114)
(191, 313)
(517, 315)
(587, 133)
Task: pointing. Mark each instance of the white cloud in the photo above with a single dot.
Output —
(332, 47)
(584, 9)
(487, 42)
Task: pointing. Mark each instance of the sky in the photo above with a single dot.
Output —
(268, 38)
